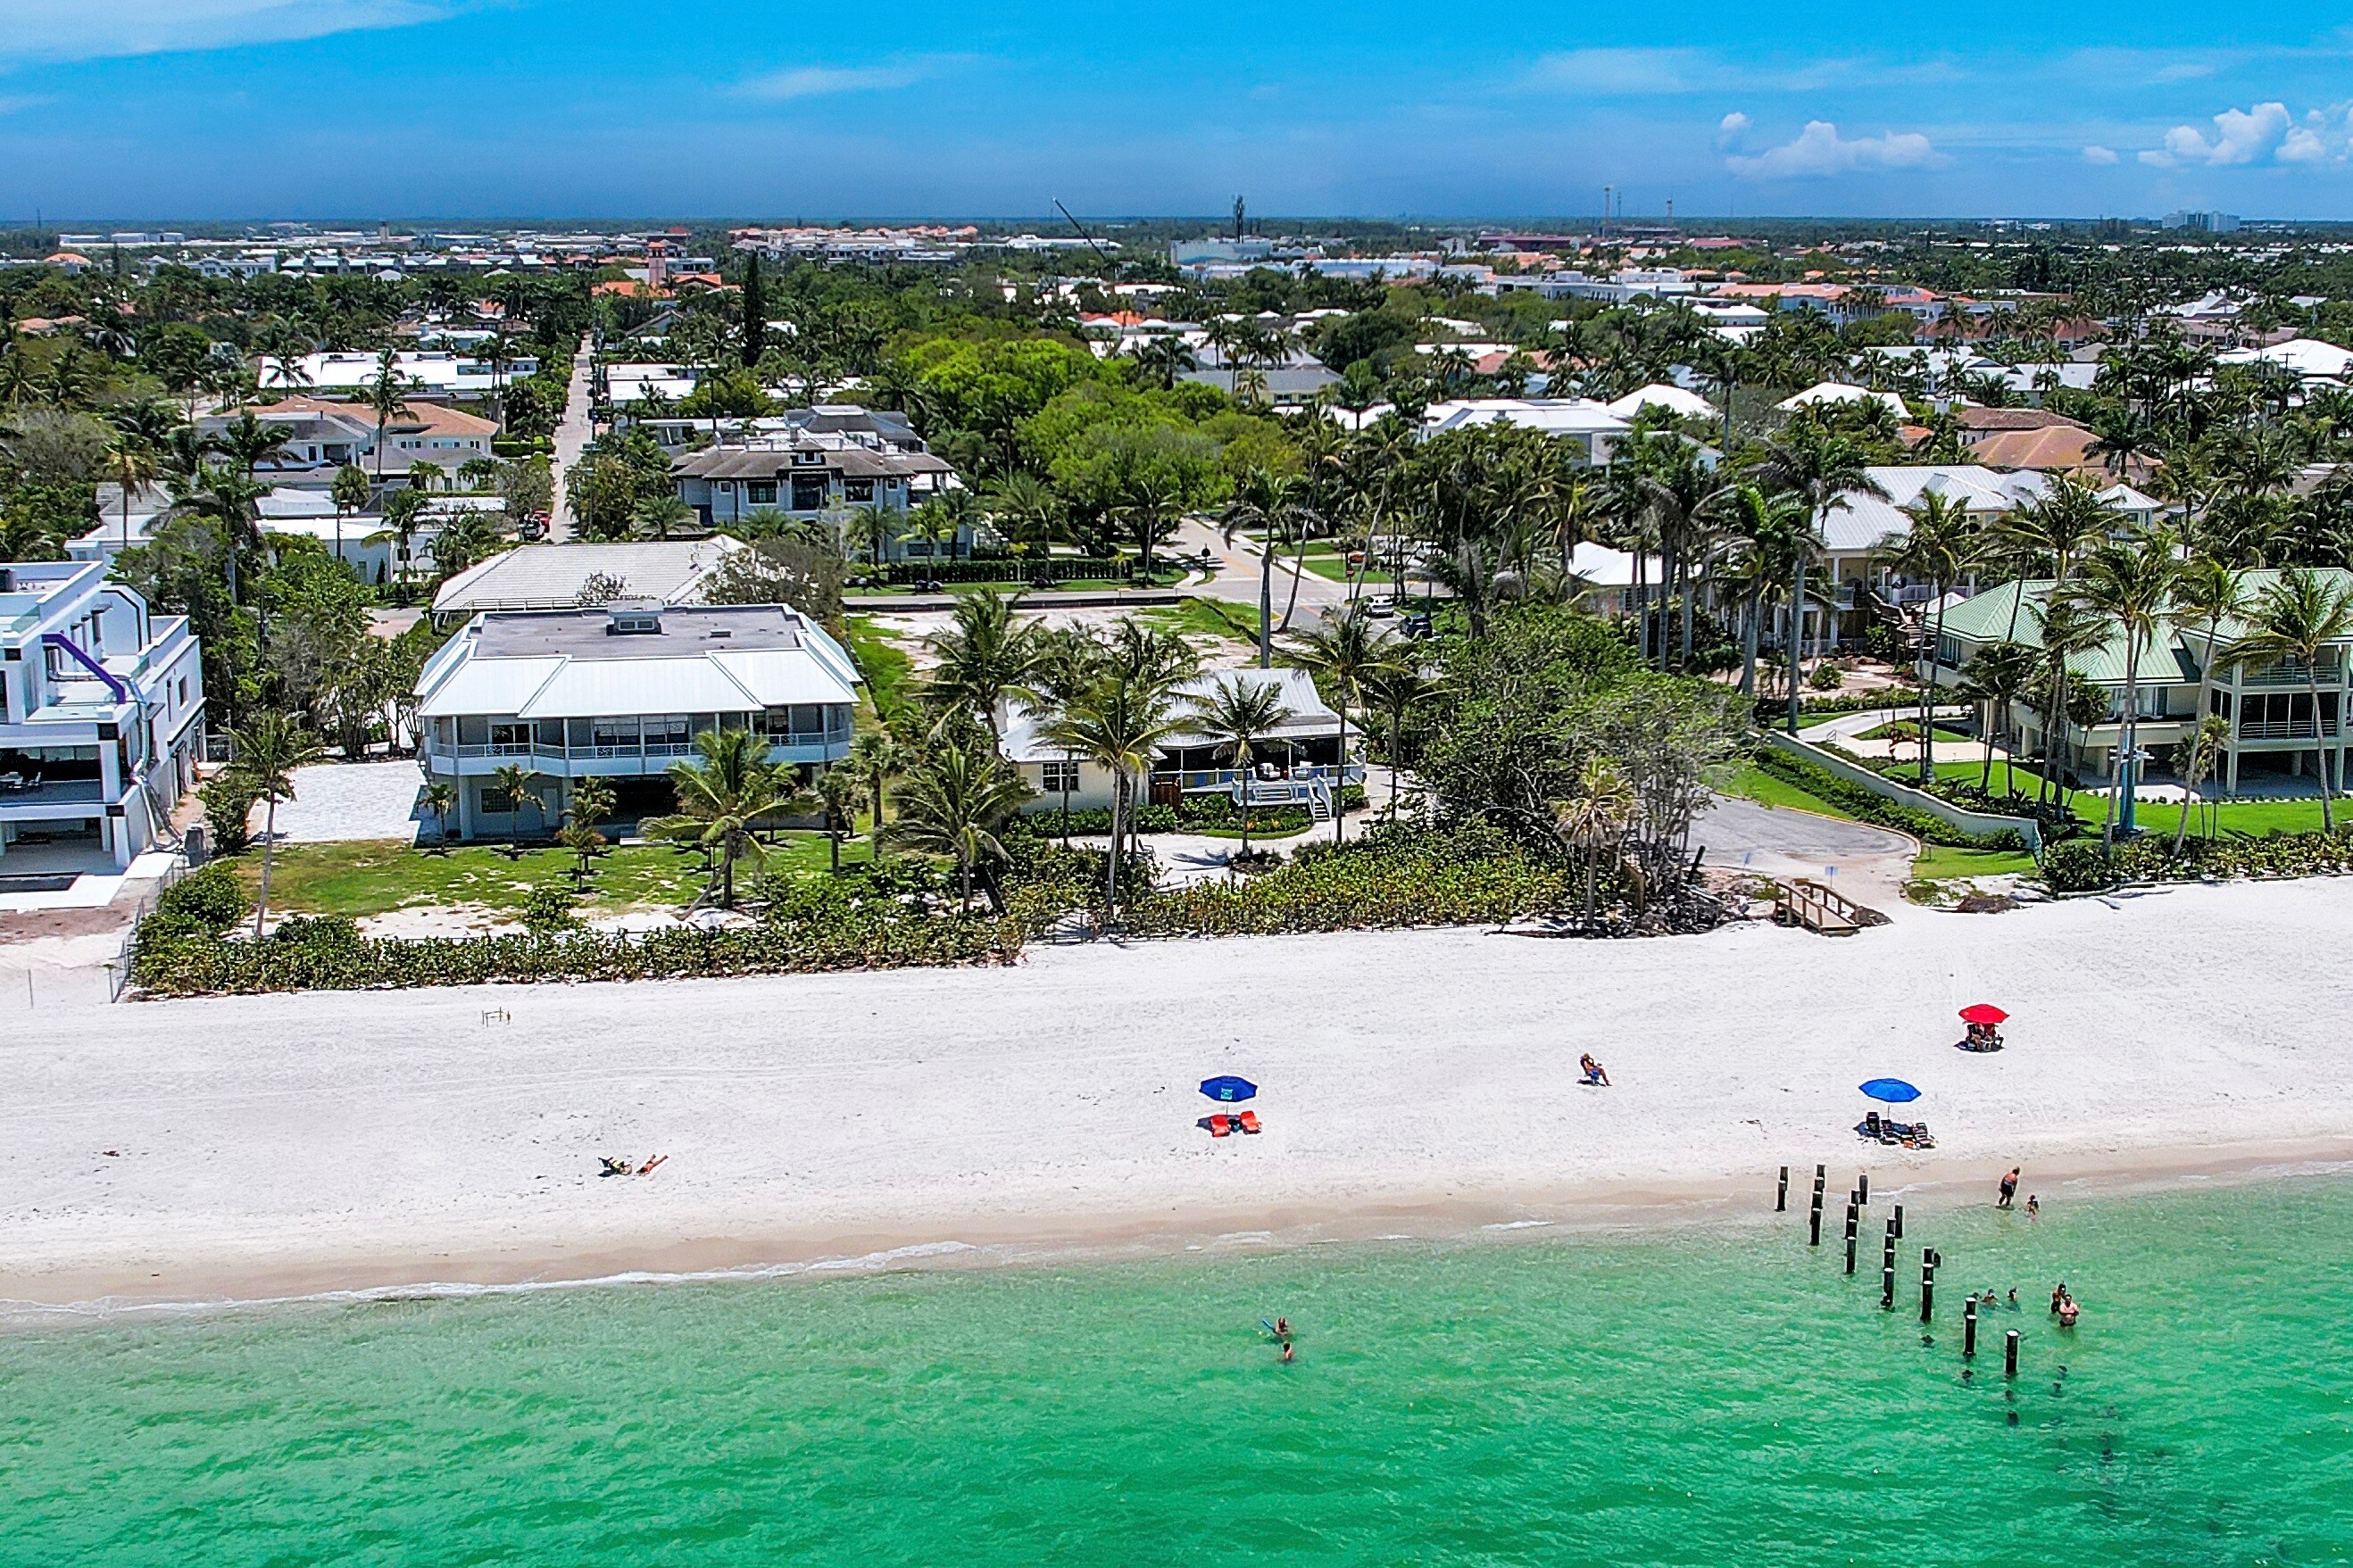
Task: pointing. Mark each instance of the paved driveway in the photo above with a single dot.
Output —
(339, 801)
(1870, 864)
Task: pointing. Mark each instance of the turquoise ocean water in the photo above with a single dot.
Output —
(1722, 1398)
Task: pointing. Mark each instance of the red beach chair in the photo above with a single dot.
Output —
(1247, 1122)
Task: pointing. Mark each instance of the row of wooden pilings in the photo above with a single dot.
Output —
(1892, 1232)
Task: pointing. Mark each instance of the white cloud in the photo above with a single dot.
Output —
(87, 29)
(827, 81)
(2241, 136)
(1820, 150)
(1731, 129)
(2102, 156)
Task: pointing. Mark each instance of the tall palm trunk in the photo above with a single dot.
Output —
(2197, 750)
(1797, 636)
(1749, 617)
(2319, 748)
(268, 843)
(1340, 785)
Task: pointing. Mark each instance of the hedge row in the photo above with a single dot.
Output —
(1866, 805)
(1388, 879)
(2081, 866)
(1057, 568)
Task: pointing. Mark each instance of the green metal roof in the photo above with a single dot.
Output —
(2014, 610)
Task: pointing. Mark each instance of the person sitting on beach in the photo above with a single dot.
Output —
(613, 1167)
(1595, 1073)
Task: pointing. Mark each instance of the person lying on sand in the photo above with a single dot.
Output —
(648, 1168)
(613, 1167)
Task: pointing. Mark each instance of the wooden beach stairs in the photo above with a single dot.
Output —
(1818, 908)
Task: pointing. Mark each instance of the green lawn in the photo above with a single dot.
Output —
(1204, 617)
(883, 663)
(374, 878)
(1336, 568)
(2091, 807)
(1945, 738)
(1937, 862)
(1752, 783)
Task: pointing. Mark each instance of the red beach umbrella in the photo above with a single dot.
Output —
(1983, 1013)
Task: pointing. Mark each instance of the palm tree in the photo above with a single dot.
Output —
(838, 791)
(2296, 616)
(2206, 593)
(657, 515)
(1997, 677)
(1117, 723)
(1597, 819)
(1942, 546)
(1396, 686)
(1752, 556)
(350, 494)
(248, 443)
(592, 802)
(403, 508)
(954, 801)
(1237, 716)
(233, 504)
(724, 793)
(2066, 632)
(984, 655)
(265, 754)
(2131, 585)
(1337, 654)
(513, 780)
(1273, 504)
(132, 464)
(1820, 464)
(873, 759)
(440, 798)
(381, 396)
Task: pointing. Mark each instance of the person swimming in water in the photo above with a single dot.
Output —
(1289, 1351)
(2058, 1296)
(1283, 1328)
(2068, 1312)
(2033, 1205)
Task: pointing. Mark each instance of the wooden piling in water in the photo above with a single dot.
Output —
(1969, 1329)
(1887, 1268)
(2009, 1354)
(1814, 1233)
(1928, 1284)
(1863, 1188)
(1851, 1213)
(1899, 1222)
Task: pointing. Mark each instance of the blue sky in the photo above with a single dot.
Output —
(624, 108)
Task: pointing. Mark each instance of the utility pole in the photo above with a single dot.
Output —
(1607, 191)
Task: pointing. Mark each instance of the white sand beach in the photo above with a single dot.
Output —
(260, 1146)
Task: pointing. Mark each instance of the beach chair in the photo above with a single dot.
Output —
(1247, 1122)
(1220, 1126)
(1871, 1126)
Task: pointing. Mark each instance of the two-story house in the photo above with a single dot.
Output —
(620, 692)
(101, 719)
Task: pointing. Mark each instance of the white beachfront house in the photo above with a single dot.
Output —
(620, 692)
(1297, 764)
(101, 719)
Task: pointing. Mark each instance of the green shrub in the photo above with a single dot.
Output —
(1826, 678)
(548, 907)
(207, 899)
(2080, 865)
(1459, 876)
(321, 933)
(1865, 805)
(228, 802)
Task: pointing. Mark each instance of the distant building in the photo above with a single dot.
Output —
(806, 473)
(620, 692)
(2201, 221)
(101, 719)
(323, 437)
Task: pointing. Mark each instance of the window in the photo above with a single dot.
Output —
(1058, 778)
(857, 490)
(808, 493)
(760, 492)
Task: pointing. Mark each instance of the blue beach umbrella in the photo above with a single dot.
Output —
(1226, 1088)
(1891, 1090)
